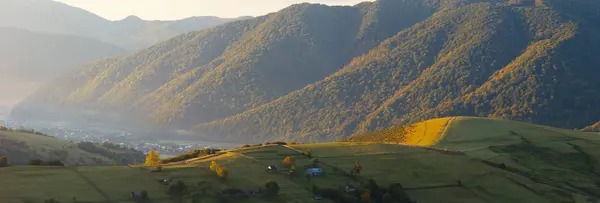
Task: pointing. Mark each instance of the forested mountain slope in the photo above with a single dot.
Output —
(219, 72)
(527, 63)
(313, 72)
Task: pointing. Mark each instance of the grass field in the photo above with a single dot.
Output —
(493, 160)
(22, 147)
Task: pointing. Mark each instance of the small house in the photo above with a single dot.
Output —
(314, 172)
(272, 169)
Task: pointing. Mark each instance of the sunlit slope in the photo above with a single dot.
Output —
(21, 147)
(426, 133)
(469, 133)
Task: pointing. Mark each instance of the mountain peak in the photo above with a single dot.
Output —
(132, 18)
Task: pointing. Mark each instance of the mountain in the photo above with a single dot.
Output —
(131, 33)
(314, 72)
(216, 73)
(31, 59)
(531, 63)
(33, 55)
(22, 146)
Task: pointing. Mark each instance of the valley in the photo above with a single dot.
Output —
(384, 101)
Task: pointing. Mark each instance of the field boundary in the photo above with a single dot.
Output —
(106, 197)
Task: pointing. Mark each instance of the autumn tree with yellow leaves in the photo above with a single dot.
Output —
(221, 171)
(288, 161)
(153, 158)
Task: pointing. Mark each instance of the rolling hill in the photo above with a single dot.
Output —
(314, 72)
(131, 33)
(474, 160)
(21, 147)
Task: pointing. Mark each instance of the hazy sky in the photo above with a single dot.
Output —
(178, 9)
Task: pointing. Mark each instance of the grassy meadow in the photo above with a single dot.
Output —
(469, 160)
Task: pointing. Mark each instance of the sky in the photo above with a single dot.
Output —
(179, 9)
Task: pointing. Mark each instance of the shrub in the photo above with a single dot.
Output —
(3, 161)
(288, 161)
(144, 194)
(314, 162)
(35, 162)
(271, 188)
(246, 146)
(54, 163)
(308, 153)
(277, 143)
(179, 188)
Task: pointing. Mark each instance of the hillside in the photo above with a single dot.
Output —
(592, 128)
(22, 147)
(216, 73)
(475, 160)
(456, 63)
(132, 33)
(315, 73)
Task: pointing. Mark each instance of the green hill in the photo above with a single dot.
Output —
(474, 160)
(22, 146)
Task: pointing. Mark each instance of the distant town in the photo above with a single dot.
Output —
(167, 148)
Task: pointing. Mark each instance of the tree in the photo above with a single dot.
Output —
(308, 153)
(214, 166)
(357, 168)
(271, 188)
(153, 158)
(288, 161)
(3, 161)
(222, 172)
